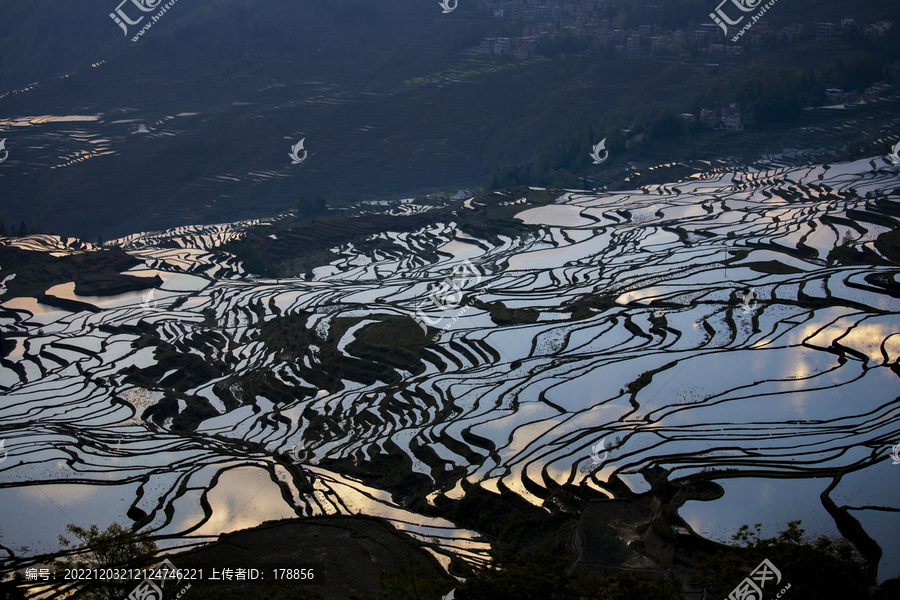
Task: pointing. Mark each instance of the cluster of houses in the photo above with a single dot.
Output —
(587, 19)
(839, 96)
(823, 31)
(730, 118)
(625, 41)
(849, 24)
(567, 12)
(521, 47)
(729, 121)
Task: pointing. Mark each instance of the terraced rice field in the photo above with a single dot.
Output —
(698, 326)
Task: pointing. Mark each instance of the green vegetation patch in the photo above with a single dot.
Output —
(253, 259)
(470, 67)
(772, 267)
(823, 568)
(888, 244)
(94, 273)
(848, 255)
(645, 378)
(392, 343)
(503, 315)
(494, 213)
(587, 306)
(300, 247)
(395, 341)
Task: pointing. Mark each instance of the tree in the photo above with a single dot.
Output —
(666, 124)
(630, 586)
(824, 569)
(538, 577)
(402, 583)
(615, 141)
(541, 577)
(310, 207)
(11, 589)
(115, 547)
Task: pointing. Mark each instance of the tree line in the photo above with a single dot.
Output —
(821, 568)
(768, 99)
